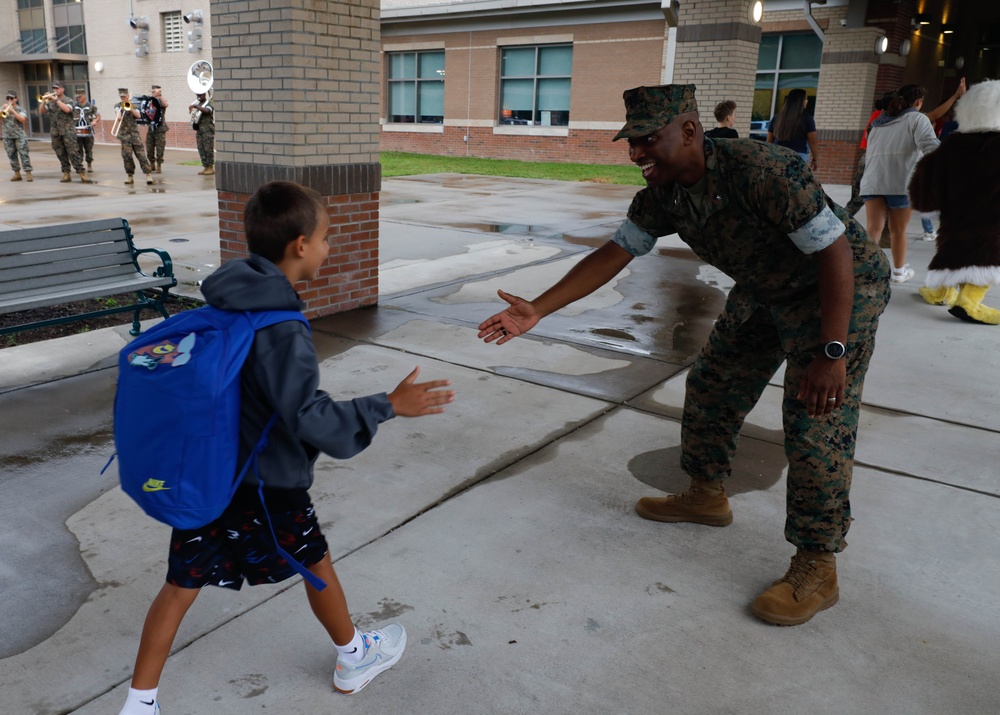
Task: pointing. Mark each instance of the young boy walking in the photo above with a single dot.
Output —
(286, 226)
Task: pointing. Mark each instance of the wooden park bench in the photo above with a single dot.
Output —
(53, 265)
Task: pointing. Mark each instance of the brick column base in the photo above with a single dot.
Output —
(837, 160)
(349, 278)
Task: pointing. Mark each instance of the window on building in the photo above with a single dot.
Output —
(31, 19)
(784, 63)
(68, 24)
(173, 32)
(534, 85)
(416, 87)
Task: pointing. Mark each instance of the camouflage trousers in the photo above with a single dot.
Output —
(856, 202)
(86, 148)
(68, 152)
(132, 146)
(17, 152)
(724, 384)
(156, 145)
(206, 148)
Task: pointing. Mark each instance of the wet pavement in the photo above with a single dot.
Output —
(502, 534)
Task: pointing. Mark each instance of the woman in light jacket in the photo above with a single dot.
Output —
(896, 141)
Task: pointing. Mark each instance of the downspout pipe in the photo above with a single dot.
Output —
(807, 10)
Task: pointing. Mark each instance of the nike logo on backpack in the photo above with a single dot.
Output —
(154, 485)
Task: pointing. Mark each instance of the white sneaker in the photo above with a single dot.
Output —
(382, 649)
(903, 274)
(930, 235)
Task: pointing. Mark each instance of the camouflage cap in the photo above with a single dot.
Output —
(648, 109)
(57, 83)
(122, 91)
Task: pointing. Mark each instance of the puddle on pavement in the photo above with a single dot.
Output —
(612, 333)
(394, 202)
(516, 229)
(178, 240)
(676, 252)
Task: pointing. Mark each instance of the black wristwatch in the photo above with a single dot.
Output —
(835, 350)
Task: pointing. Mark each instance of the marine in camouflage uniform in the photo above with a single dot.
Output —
(128, 135)
(205, 129)
(63, 132)
(86, 114)
(156, 137)
(808, 284)
(15, 139)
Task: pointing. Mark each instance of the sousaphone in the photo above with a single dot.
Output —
(200, 77)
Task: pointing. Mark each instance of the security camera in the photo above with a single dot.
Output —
(843, 22)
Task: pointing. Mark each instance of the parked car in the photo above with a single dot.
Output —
(758, 130)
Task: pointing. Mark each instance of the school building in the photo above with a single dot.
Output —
(522, 79)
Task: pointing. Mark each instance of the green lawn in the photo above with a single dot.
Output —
(400, 164)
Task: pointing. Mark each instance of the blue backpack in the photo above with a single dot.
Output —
(177, 416)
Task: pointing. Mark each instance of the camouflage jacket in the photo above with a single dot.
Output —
(763, 217)
(61, 123)
(128, 132)
(13, 129)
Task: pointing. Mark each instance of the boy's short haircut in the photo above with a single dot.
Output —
(277, 214)
(724, 109)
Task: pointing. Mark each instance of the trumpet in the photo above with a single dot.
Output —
(47, 97)
(6, 109)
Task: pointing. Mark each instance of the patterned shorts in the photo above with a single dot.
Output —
(239, 545)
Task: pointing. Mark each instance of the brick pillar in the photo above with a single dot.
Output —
(717, 49)
(296, 98)
(847, 79)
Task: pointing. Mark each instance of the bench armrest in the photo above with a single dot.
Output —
(164, 271)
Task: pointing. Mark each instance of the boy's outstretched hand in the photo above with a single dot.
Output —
(413, 399)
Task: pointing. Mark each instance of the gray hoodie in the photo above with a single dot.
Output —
(281, 375)
(895, 144)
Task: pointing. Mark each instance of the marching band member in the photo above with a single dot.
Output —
(205, 128)
(86, 114)
(15, 141)
(156, 137)
(128, 135)
(63, 131)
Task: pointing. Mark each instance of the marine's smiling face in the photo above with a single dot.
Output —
(671, 153)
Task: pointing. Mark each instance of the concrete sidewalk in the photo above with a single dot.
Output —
(502, 533)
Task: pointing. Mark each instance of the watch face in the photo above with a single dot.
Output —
(834, 350)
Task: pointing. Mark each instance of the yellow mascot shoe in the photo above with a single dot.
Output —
(945, 295)
(969, 306)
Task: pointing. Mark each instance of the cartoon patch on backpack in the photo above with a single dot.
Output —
(163, 353)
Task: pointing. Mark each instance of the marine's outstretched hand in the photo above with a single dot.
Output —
(520, 317)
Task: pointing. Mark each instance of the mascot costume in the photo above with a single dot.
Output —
(961, 179)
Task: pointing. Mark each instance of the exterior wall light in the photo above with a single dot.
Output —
(881, 45)
(756, 11)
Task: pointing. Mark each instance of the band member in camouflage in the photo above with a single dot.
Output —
(15, 139)
(86, 115)
(156, 137)
(128, 135)
(63, 132)
(205, 129)
(809, 289)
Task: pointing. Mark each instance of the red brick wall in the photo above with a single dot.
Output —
(584, 146)
(349, 277)
(837, 161)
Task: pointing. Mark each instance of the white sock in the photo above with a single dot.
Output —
(140, 702)
(354, 651)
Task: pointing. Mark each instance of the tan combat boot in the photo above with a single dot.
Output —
(66, 178)
(159, 167)
(16, 176)
(84, 179)
(704, 502)
(209, 170)
(90, 166)
(809, 587)
(149, 179)
(27, 175)
(130, 180)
